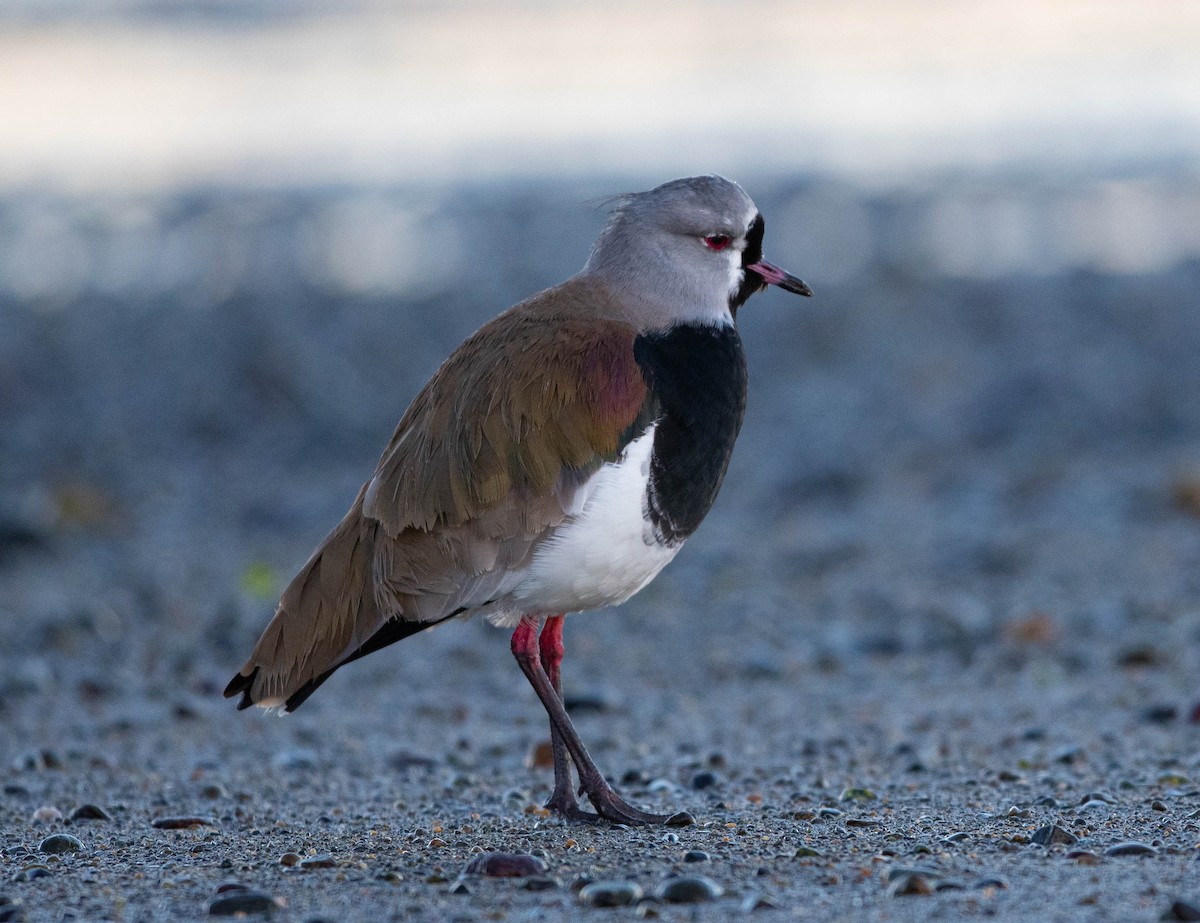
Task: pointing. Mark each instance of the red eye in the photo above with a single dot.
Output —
(717, 241)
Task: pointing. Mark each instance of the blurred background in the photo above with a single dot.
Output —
(237, 236)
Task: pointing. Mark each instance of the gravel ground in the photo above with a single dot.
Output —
(933, 655)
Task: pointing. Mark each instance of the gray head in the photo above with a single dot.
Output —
(687, 251)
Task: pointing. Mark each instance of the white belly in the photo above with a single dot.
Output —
(607, 552)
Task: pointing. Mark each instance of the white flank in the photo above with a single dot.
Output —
(605, 554)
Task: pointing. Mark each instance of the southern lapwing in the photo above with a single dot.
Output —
(556, 462)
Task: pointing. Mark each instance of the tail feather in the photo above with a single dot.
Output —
(326, 615)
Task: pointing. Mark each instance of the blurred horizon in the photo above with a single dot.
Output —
(104, 96)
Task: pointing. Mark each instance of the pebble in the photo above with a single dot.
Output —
(181, 823)
(903, 885)
(696, 855)
(689, 889)
(505, 865)
(1182, 911)
(752, 902)
(902, 871)
(288, 859)
(90, 812)
(60, 843)
(705, 778)
(47, 814)
(862, 822)
(611, 893)
(1083, 857)
(235, 902)
(857, 794)
(32, 873)
(809, 852)
(1053, 835)
(318, 862)
(1131, 849)
(989, 881)
(541, 883)
(680, 819)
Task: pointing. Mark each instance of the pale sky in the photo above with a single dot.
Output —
(394, 93)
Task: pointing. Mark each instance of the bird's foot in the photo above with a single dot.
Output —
(613, 807)
(565, 806)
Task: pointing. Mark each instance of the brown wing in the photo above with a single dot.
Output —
(481, 468)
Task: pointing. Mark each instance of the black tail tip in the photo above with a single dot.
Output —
(243, 684)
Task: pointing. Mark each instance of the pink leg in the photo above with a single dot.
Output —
(550, 645)
(608, 803)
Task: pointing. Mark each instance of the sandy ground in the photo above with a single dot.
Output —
(949, 597)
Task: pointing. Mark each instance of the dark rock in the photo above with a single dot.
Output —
(696, 855)
(403, 760)
(90, 812)
(505, 865)
(680, 819)
(1160, 714)
(317, 862)
(288, 859)
(1053, 835)
(248, 902)
(1182, 911)
(541, 883)
(459, 887)
(1131, 849)
(705, 778)
(32, 873)
(181, 823)
(60, 843)
(611, 893)
(689, 889)
(578, 703)
(989, 881)
(809, 852)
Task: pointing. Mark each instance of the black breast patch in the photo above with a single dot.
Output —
(697, 378)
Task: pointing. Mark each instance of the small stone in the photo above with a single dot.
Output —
(862, 822)
(857, 794)
(989, 881)
(213, 790)
(288, 859)
(705, 778)
(752, 902)
(680, 819)
(505, 865)
(900, 871)
(541, 883)
(611, 893)
(90, 812)
(1053, 835)
(689, 889)
(1157, 805)
(60, 843)
(904, 885)
(809, 852)
(948, 884)
(1160, 714)
(577, 703)
(32, 873)
(1173, 779)
(459, 887)
(958, 837)
(47, 814)
(323, 861)
(1083, 857)
(181, 823)
(235, 902)
(1131, 849)
(695, 855)
(540, 756)
(1182, 911)
(391, 876)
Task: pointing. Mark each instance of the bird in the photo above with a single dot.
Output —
(554, 463)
